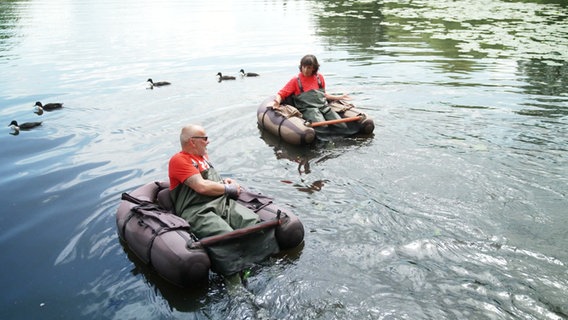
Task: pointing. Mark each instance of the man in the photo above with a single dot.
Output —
(199, 194)
(207, 202)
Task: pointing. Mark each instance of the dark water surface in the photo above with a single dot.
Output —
(454, 209)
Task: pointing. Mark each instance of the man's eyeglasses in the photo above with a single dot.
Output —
(203, 137)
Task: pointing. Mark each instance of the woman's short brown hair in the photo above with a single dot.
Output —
(310, 60)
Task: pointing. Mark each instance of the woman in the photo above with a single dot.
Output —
(307, 93)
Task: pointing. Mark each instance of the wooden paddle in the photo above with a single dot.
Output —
(209, 241)
(335, 121)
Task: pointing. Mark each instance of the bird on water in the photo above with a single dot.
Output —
(40, 108)
(22, 126)
(157, 84)
(248, 74)
(221, 77)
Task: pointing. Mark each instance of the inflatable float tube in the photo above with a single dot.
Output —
(148, 226)
(295, 130)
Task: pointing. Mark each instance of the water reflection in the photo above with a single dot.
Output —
(8, 22)
(485, 29)
(315, 154)
(181, 299)
(355, 25)
(462, 31)
(548, 83)
(212, 297)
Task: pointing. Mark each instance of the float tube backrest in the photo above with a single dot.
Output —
(164, 200)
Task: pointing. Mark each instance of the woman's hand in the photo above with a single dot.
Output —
(344, 96)
(276, 103)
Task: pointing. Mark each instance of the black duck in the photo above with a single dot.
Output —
(222, 77)
(157, 84)
(40, 108)
(248, 74)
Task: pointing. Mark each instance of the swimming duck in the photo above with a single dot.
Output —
(248, 74)
(222, 77)
(23, 126)
(157, 84)
(39, 108)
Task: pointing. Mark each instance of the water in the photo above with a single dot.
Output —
(453, 209)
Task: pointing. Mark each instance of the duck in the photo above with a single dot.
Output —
(40, 108)
(157, 84)
(248, 74)
(23, 126)
(222, 77)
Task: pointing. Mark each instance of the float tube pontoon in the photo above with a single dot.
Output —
(148, 226)
(293, 129)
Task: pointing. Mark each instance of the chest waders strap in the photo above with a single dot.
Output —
(302, 88)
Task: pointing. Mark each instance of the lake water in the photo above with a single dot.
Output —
(455, 208)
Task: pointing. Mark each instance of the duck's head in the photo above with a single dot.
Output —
(38, 104)
(150, 80)
(14, 123)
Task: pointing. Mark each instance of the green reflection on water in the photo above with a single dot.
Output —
(477, 29)
(468, 34)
